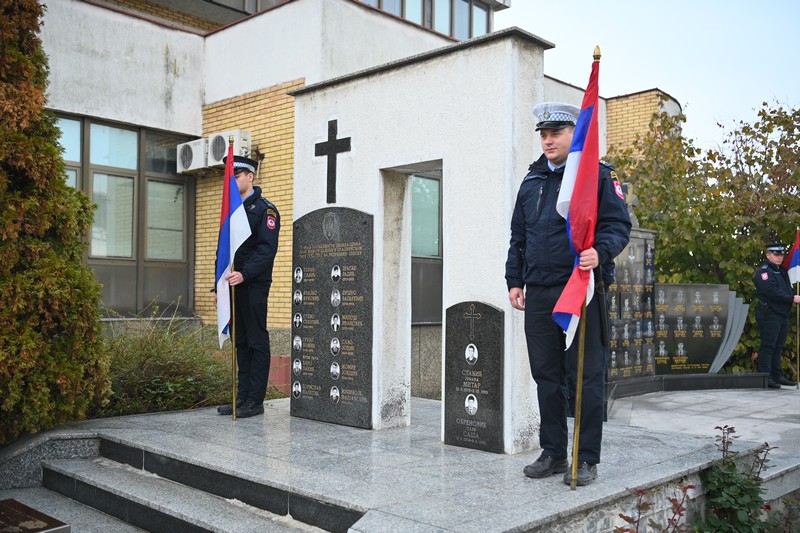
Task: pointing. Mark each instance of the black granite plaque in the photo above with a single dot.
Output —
(473, 382)
(332, 260)
(690, 319)
(631, 304)
(18, 517)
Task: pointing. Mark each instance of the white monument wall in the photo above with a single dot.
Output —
(471, 110)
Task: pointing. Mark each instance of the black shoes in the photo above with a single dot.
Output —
(783, 380)
(545, 466)
(586, 475)
(772, 384)
(227, 409)
(249, 409)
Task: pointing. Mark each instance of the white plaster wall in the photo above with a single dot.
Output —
(312, 39)
(472, 111)
(559, 91)
(112, 66)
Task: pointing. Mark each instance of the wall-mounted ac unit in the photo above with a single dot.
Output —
(192, 156)
(218, 146)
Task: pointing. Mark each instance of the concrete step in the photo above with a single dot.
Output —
(150, 502)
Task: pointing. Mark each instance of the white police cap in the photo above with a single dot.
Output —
(555, 115)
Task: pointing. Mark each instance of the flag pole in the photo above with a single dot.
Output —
(576, 435)
(233, 320)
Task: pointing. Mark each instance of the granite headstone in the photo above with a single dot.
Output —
(473, 388)
(332, 321)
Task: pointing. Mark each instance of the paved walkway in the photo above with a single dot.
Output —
(406, 479)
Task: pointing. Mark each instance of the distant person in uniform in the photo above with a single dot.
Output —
(775, 299)
(540, 262)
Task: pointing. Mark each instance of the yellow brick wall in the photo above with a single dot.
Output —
(268, 115)
(166, 14)
(630, 115)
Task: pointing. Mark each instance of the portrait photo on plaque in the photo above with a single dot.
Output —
(297, 389)
(336, 322)
(335, 370)
(297, 343)
(298, 297)
(297, 367)
(471, 404)
(336, 273)
(335, 397)
(335, 346)
(298, 275)
(471, 354)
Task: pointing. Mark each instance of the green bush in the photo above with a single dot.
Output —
(52, 363)
(164, 365)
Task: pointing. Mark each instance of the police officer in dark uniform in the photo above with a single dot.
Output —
(775, 298)
(540, 262)
(251, 279)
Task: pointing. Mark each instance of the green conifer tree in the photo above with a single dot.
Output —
(53, 367)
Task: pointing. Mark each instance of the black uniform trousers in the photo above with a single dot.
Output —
(774, 329)
(252, 341)
(555, 373)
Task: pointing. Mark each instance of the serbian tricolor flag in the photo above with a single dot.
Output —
(577, 202)
(792, 261)
(234, 229)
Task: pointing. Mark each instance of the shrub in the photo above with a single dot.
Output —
(164, 365)
(52, 363)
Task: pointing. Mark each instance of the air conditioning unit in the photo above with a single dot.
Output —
(218, 146)
(191, 156)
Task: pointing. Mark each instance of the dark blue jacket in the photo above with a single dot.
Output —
(539, 252)
(256, 256)
(773, 289)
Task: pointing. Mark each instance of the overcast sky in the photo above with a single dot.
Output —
(719, 59)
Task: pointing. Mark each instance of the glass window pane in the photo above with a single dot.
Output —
(373, 3)
(161, 151)
(112, 231)
(414, 11)
(393, 6)
(425, 219)
(461, 20)
(165, 210)
(70, 138)
(113, 147)
(441, 16)
(71, 175)
(480, 20)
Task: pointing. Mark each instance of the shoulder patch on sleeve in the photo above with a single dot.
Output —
(765, 275)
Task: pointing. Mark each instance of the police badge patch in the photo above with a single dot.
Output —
(764, 276)
(271, 222)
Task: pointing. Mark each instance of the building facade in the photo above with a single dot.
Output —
(131, 80)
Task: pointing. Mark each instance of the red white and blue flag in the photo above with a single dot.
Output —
(234, 229)
(792, 261)
(577, 202)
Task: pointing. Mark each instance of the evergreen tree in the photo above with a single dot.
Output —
(53, 367)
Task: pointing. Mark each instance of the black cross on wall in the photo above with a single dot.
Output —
(331, 148)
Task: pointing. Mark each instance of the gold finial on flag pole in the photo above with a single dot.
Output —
(597, 53)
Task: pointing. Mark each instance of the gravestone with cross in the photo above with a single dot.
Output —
(473, 381)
